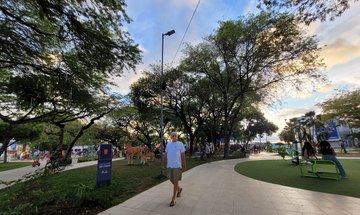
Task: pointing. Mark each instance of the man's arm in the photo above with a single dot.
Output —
(183, 161)
(164, 159)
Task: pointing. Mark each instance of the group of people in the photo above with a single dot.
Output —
(204, 150)
(327, 153)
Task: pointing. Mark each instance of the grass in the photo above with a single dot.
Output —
(13, 165)
(284, 173)
(350, 153)
(74, 191)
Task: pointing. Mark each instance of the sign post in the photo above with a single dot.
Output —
(104, 165)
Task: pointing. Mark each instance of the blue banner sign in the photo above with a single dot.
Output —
(330, 129)
(104, 165)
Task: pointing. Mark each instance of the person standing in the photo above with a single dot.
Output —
(176, 164)
(207, 150)
(307, 151)
(342, 145)
(196, 150)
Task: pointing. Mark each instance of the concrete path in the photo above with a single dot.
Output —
(216, 189)
(18, 173)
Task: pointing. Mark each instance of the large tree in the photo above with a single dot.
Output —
(56, 58)
(345, 107)
(255, 55)
(184, 99)
(254, 124)
(287, 134)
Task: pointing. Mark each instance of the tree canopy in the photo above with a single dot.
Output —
(308, 11)
(345, 107)
(248, 59)
(56, 58)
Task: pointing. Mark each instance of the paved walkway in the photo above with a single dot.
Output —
(216, 189)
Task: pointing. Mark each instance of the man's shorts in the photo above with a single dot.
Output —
(174, 174)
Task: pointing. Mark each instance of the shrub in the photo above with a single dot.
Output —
(282, 152)
(86, 159)
(238, 154)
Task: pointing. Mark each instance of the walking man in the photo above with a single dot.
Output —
(176, 164)
(342, 145)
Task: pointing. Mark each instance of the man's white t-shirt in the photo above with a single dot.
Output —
(173, 153)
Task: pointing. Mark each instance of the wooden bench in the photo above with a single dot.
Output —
(320, 169)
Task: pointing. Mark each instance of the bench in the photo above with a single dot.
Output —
(320, 169)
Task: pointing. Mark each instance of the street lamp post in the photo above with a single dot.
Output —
(162, 85)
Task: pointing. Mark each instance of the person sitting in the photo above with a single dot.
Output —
(328, 153)
(307, 151)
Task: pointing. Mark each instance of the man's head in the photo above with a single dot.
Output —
(174, 136)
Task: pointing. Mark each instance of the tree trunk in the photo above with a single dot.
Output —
(4, 147)
(61, 135)
(227, 145)
(227, 134)
(81, 132)
(5, 156)
(191, 144)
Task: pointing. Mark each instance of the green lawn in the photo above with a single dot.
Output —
(74, 191)
(13, 165)
(284, 173)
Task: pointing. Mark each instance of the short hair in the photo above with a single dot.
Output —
(174, 133)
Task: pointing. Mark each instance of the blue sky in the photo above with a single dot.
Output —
(339, 39)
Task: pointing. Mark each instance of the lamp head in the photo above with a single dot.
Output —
(170, 33)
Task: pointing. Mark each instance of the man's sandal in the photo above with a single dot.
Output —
(172, 203)
(179, 193)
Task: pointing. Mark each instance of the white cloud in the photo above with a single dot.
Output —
(123, 83)
(345, 74)
(302, 95)
(326, 88)
(312, 28)
(278, 116)
(340, 51)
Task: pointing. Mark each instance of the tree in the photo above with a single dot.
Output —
(79, 38)
(251, 58)
(256, 124)
(308, 11)
(109, 133)
(287, 134)
(56, 58)
(213, 104)
(184, 99)
(128, 122)
(344, 107)
(25, 133)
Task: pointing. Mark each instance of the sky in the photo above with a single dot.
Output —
(339, 39)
